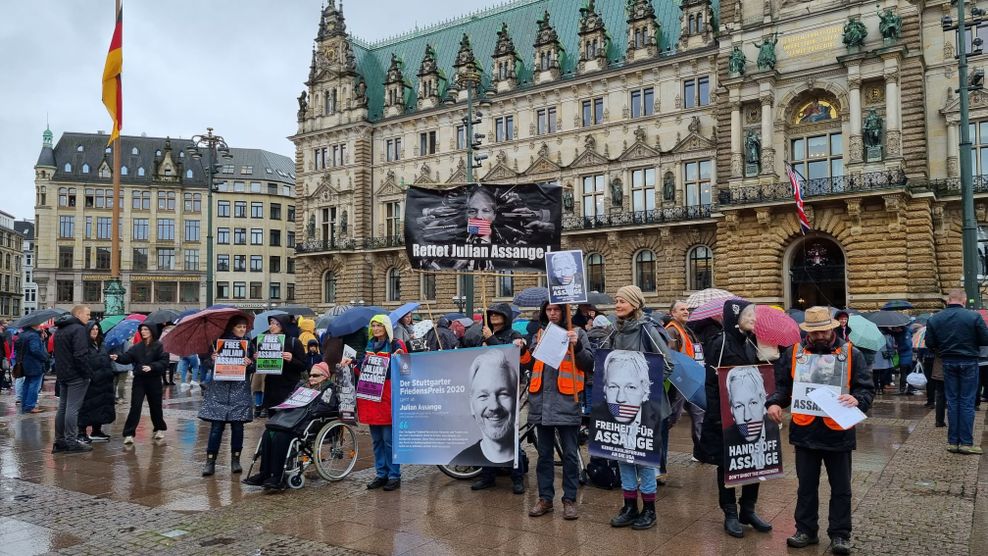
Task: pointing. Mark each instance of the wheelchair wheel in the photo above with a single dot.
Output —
(297, 480)
(461, 472)
(335, 451)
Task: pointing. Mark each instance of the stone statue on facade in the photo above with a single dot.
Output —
(669, 187)
(310, 229)
(617, 192)
(854, 33)
(303, 105)
(361, 93)
(752, 148)
(889, 24)
(766, 53)
(737, 61)
(343, 223)
(872, 129)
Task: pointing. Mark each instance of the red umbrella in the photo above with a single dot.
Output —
(774, 327)
(712, 308)
(197, 333)
(984, 315)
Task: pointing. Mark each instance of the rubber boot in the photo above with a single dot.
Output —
(210, 467)
(731, 523)
(235, 463)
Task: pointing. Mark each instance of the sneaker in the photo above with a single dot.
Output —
(970, 450)
(193, 384)
(953, 448)
(840, 545)
(99, 437)
(159, 435)
(802, 540)
(392, 484)
(518, 486)
(58, 447)
(128, 440)
(84, 438)
(78, 447)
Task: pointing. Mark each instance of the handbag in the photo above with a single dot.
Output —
(18, 370)
(917, 379)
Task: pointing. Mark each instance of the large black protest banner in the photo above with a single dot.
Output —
(483, 227)
(752, 451)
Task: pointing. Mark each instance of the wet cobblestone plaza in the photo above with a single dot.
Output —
(910, 497)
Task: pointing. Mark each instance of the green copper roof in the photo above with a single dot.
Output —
(373, 59)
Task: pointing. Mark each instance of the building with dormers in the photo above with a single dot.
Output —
(162, 225)
(670, 125)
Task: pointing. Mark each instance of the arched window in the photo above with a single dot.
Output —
(80, 148)
(68, 167)
(699, 268)
(134, 151)
(188, 174)
(85, 168)
(595, 272)
(123, 170)
(645, 270)
(104, 171)
(394, 285)
(140, 171)
(329, 287)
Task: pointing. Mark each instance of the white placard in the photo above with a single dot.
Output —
(552, 346)
(845, 416)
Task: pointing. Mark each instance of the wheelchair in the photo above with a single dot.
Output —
(326, 442)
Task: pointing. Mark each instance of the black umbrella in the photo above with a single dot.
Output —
(532, 297)
(298, 310)
(161, 316)
(597, 298)
(897, 305)
(37, 317)
(888, 319)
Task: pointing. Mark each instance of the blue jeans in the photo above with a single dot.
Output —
(383, 464)
(189, 365)
(216, 436)
(18, 387)
(29, 392)
(960, 381)
(637, 477)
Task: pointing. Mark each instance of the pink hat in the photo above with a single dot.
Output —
(320, 368)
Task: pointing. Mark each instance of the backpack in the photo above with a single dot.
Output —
(604, 473)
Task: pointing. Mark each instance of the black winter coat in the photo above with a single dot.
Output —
(71, 350)
(99, 405)
(446, 338)
(152, 355)
(505, 335)
(277, 388)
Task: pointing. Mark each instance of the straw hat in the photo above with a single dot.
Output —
(818, 319)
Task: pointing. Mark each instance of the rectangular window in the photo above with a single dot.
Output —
(642, 102)
(275, 211)
(274, 264)
(193, 202)
(192, 259)
(393, 149)
(593, 111)
(191, 230)
(290, 292)
(461, 137)
(545, 120)
(65, 256)
(257, 236)
(696, 92)
(66, 226)
(89, 227)
(697, 181)
(643, 189)
(223, 209)
(102, 258)
(240, 209)
(240, 236)
(240, 263)
(239, 290)
(140, 292)
(275, 238)
(188, 292)
(255, 290)
(427, 286)
(275, 290)
(290, 266)
(223, 236)
(140, 255)
(257, 210)
(593, 196)
(222, 263)
(256, 263)
(166, 259)
(222, 290)
(104, 225)
(165, 292)
(166, 229)
(290, 239)
(504, 128)
(392, 219)
(141, 229)
(291, 213)
(64, 291)
(427, 143)
(339, 155)
(166, 200)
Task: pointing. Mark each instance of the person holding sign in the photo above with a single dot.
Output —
(283, 364)
(735, 345)
(228, 399)
(554, 408)
(374, 398)
(817, 438)
(627, 386)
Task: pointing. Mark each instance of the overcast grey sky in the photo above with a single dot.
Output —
(234, 65)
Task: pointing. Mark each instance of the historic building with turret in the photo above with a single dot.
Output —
(670, 126)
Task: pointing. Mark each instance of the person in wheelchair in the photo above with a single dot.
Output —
(289, 424)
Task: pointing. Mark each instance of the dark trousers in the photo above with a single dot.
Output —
(72, 393)
(982, 392)
(935, 389)
(931, 394)
(727, 497)
(904, 371)
(216, 436)
(808, 496)
(151, 388)
(545, 469)
(517, 472)
(274, 450)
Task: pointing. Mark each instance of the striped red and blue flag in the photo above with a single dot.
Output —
(797, 193)
(623, 411)
(478, 227)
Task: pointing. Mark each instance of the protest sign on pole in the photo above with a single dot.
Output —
(229, 364)
(625, 411)
(567, 279)
(269, 348)
(752, 451)
(343, 377)
(373, 374)
(456, 407)
(482, 227)
(814, 371)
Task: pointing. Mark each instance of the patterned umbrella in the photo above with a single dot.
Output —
(703, 297)
(421, 328)
(919, 339)
(122, 332)
(712, 308)
(532, 297)
(774, 327)
(864, 333)
(197, 333)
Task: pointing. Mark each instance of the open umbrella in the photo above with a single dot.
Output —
(888, 319)
(261, 321)
(109, 322)
(37, 317)
(352, 320)
(897, 305)
(520, 326)
(298, 310)
(688, 376)
(121, 333)
(703, 297)
(161, 316)
(339, 310)
(454, 316)
(712, 308)
(184, 314)
(597, 298)
(774, 327)
(798, 315)
(323, 321)
(422, 328)
(197, 333)
(919, 339)
(532, 297)
(400, 312)
(865, 334)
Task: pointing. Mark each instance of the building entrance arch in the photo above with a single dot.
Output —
(816, 273)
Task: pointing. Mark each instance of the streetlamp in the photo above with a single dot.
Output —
(459, 301)
(470, 79)
(970, 229)
(213, 144)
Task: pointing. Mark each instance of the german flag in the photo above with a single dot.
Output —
(112, 88)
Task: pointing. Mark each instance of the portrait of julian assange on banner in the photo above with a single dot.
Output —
(626, 407)
(752, 451)
(812, 371)
(483, 227)
(456, 407)
(567, 281)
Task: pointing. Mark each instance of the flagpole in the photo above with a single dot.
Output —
(114, 294)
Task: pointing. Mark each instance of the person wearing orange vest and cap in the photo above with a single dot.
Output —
(820, 440)
(684, 340)
(554, 408)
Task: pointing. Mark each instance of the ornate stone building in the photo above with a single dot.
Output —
(11, 246)
(670, 126)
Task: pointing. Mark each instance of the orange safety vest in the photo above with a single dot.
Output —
(688, 348)
(570, 381)
(806, 420)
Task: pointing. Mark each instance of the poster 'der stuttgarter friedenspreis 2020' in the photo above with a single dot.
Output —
(483, 227)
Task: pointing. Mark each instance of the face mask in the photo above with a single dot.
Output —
(752, 429)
